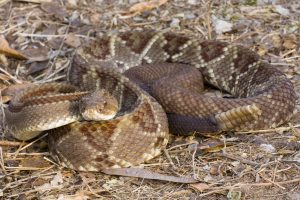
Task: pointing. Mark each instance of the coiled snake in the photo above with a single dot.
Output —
(137, 128)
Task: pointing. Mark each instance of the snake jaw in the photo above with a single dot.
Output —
(94, 115)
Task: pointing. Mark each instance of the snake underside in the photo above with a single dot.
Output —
(264, 97)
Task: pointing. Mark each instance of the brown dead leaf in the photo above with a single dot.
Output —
(34, 162)
(145, 6)
(55, 9)
(200, 186)
(39, 181)
(147, 174)
(36, 67)
(37, 52)
(142, 7)
(290, 41)
(72, 40)
(7, 51)
(49, 30)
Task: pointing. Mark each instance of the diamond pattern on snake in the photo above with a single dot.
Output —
(125, 92)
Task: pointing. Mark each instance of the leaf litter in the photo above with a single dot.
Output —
(261, 164)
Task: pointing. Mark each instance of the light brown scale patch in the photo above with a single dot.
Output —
(145, 118)
(36, 91)
(92, 141)
(55, 98)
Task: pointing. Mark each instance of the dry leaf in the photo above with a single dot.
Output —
(55, 9)
(37, 52)
(39, 181)
(36, 67)
(145, 6)
(72, 40)
(290, 41)
(7, 51)
(147, 174)
(35, 162)
(200, 186)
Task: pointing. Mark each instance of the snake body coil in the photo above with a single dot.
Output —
(264, 97)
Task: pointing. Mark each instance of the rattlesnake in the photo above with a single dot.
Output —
(264, 97)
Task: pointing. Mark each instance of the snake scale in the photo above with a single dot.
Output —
(155, 79)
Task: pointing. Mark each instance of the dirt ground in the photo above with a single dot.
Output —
(264, 164)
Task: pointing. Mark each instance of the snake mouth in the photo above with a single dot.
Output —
(92, 115)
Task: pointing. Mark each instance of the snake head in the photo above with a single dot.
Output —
(98, 105)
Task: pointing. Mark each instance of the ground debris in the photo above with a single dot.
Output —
(263, 164)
